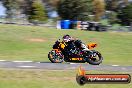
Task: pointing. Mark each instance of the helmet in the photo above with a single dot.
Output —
(66, 38)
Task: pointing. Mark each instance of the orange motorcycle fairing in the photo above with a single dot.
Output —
(91, 45)
(62, 45)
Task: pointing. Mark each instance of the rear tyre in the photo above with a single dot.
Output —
(95, 59)
(55, 57)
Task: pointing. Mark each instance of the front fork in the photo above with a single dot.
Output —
(89, 54)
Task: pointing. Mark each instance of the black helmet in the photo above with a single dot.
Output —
(66, 38)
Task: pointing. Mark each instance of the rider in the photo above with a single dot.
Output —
(68, 39)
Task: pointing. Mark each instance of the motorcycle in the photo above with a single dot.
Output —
(60, 53)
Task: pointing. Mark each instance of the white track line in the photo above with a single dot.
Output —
(22, 61)
(73, 63)
(38, 62)
(115, 65)
(26, 66)
(2, 60)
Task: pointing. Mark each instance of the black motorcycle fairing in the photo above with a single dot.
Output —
(72, 50)
(70, 47)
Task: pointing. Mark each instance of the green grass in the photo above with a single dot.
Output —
(15, 44)
(47, 79)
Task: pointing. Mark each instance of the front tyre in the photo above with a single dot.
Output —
(55, 57)
(95, 59)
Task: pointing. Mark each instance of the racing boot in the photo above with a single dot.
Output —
(84, 47)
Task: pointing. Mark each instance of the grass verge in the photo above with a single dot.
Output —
(26, 78)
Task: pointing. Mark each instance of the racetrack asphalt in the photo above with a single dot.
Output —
(62, 66)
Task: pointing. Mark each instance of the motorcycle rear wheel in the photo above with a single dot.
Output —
(55, 57)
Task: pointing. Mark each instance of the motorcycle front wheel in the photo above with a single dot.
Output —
(95, 59)
(55, 57)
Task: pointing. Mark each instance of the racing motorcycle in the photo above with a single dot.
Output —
(71, 53)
